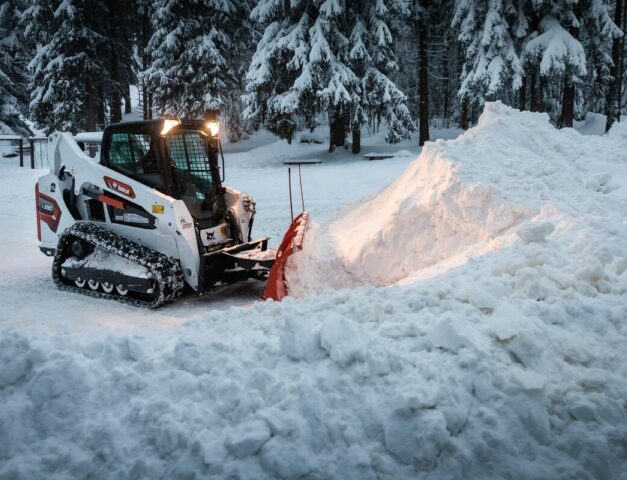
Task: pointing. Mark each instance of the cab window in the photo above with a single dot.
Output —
(134, 155)
(194, 183)
(190, 158)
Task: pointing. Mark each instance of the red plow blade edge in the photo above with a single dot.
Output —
(292, 242)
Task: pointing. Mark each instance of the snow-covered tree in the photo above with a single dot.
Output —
(605, 39)
(384, 100)
(298, 64)
(555, 49)
(191, 52)
(556, 53)
(280, 58)
(328, 76)
(328, 59)
(13, 93)
(492, 64)
(67, 62)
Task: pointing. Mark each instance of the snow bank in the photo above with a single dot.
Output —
(509, 362)
(463, 198)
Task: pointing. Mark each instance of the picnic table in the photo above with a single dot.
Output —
(377, 156)
(312, 161)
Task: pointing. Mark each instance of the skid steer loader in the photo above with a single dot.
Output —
(149, 214)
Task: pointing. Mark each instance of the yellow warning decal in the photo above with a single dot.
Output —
(224, 230)
(158, 209)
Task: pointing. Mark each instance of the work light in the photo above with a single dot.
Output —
(169, 124)
(214, 127)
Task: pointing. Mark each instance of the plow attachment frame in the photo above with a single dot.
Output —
(292, 242)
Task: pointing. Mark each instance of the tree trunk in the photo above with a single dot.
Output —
(90, 106)
(536, 103)
(338, 131)
(146, 104)
(614, 92)
(622, 72)
(356, 140)
(115, 100)
(423, 77)
(463, 114)
(101, 108)
(522, 95)
(446, 83)
(536, 87)
(149, 106)
(128, 108)
(144, 96)
(568, 104)
(568, 99)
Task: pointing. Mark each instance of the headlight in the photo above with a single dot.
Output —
(214, 127)
(169, 124)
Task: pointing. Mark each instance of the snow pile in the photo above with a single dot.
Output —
(513, 176)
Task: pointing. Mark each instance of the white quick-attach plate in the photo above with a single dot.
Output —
(212, 236)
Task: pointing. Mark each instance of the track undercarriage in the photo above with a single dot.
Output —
(96, 262)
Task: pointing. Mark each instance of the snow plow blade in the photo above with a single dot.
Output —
(292, 242)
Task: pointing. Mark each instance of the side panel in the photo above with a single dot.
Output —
(50, 204)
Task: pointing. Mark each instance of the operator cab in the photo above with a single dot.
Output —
(177, 157)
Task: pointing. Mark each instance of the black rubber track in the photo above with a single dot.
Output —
(164, 270)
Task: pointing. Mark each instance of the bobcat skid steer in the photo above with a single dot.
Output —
(150, 215)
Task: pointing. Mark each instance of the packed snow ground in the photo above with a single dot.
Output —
(503, 359)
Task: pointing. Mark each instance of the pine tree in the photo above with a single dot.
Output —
(328, 75)
(491, 64)
(66, 65)
(280, 58)
(557, 52)
(13, 94)
(384, 100)
(612, 108)
(520, 35)
(329, 59)
(442, 65)
(359, 59)
(529, 17)
(247, 37)
(191, 52)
